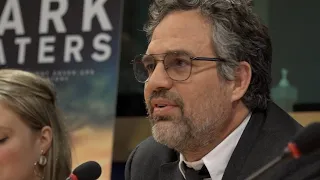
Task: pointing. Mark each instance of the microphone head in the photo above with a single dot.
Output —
(308, 139)
(90, 170)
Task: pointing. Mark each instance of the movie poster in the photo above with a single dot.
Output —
(75, 43)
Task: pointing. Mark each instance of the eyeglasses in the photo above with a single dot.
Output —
(178, 65)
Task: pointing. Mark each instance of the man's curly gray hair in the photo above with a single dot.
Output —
(238, 35)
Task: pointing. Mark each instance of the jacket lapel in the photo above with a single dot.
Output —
(170, 171)
(245, 144)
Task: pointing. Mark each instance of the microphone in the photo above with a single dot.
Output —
(306, 141)
(90, 170)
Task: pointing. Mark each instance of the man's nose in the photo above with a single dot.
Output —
(159, 79)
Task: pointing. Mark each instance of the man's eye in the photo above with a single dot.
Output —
(180, 62)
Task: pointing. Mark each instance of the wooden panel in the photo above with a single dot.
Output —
(306, 118)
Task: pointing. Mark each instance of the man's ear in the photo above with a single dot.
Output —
(242, 80)
(45, 139)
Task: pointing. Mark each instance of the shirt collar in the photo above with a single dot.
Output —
(217, 159)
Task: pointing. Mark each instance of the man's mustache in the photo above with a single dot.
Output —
(165, 94)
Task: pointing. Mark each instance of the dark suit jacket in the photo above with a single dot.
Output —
(264, 138)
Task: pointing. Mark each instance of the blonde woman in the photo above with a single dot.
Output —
(34, 143)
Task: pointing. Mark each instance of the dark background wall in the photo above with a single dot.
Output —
(295, 31)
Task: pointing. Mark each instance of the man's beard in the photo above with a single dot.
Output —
(187, 132)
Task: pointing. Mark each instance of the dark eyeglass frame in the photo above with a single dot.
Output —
(197, 58)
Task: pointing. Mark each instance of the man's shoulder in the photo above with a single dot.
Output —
(149, 148)
(268, 133)
(145, 160)
(280, 122)
(277, 130)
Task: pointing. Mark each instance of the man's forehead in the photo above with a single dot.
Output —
(161, 46)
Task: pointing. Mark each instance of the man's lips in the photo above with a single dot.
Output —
(160, 105)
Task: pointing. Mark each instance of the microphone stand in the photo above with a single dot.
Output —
(268, 166)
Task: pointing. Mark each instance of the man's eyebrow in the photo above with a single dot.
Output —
(182, 51)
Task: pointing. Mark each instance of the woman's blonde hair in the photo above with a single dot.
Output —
(34, 99)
